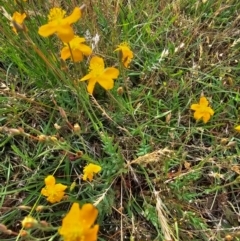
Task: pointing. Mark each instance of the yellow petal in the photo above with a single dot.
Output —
(50, 180)
(47, 29)
(127, 53)
(91, 85)
(88, 215)
(197, 115)
(91, 234)
(97, 63)
(95, 168)
(65, 33)
(70, 219)
(237, 128)
(206, 117)
(74, 212)
(203, 101)
(77, 55)
(87, 176)
(195, 107)
(86, 50)
(76, 14)
(106, 83)
(209, 110)
(79, 40)
(60, 187)
(44, 192)
(122, 46)
(111, 73)
(127, 56)
(86, 77)
(65, 53)
(126, 61)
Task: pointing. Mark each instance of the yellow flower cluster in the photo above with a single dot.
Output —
(74, 47)
(78, 224)
(56, 191)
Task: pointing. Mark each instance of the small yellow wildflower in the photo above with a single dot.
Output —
(237, 128)
(99, 74)
(60, 25)
(54, 192)
(126, 54)
(89, 170)
(29, 222)
(75, 49)
(202, 110)
(17, 21)
(78, 224)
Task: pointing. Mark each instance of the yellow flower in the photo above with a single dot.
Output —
(17, 21)
(99, 74)
(60, 25)
(126, 54)
(54, 192)
(29, 222)
(76, 50)
(237, 128)
(202, 110)
(78, 224)
(89, 170)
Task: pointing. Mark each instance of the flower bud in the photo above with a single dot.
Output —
(53, 138)
(44, 224)
(42, 138)
(14, 131)
(23, 207)
(29, 222)
(40, 208)
(3, 228)
(120, 90)
(57, 127)
(23, 233)
(76, 128)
